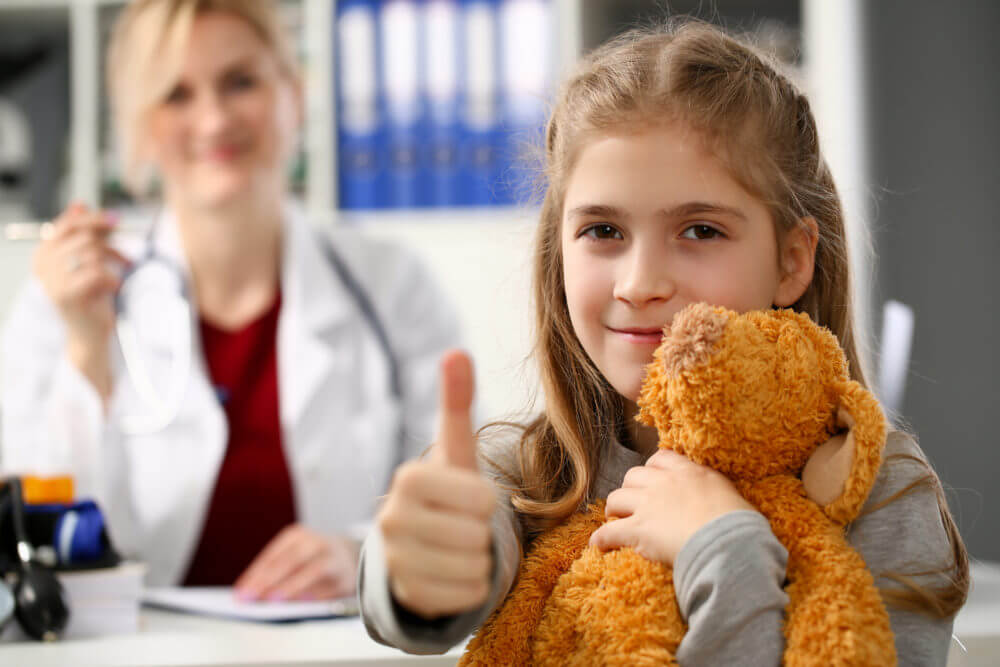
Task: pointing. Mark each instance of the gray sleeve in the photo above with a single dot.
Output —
(390, 624)
(907, 536)
(728, 579)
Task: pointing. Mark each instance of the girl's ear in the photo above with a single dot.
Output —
(860, 412)
(797, 252)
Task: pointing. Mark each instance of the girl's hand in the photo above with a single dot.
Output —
(298, 564)
(827, 470)
(75, 266)
(663, 503)
(435, 522)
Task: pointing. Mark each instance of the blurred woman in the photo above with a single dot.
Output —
(307, 361)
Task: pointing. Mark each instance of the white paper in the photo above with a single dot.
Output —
(220, 601)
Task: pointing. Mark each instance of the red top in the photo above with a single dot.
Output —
(253, 498)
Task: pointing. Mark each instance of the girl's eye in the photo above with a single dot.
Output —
(700, 232)
(601, 231)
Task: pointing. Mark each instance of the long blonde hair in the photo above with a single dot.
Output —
(762, 128)
(144, 60)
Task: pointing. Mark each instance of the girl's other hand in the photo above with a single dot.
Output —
(827, 470)
(298, 564)
(663, 503)
(435, 522)
(76, 268)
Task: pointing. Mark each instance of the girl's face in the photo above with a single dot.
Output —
(653, 222)
(228, 125)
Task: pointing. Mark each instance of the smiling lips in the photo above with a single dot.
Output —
(640, 335)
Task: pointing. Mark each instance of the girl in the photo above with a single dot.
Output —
(289, 423)
(681, 167)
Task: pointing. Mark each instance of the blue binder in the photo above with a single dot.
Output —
(440, 79)
(402, 103)
(360, 164)
(480, 136)
(526, 75)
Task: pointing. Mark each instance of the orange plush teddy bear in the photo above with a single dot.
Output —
(751, 396)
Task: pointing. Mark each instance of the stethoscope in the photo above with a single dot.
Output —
(163, 406)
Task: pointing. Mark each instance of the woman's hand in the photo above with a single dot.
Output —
(76, 268)
(435, 522)
(663, 503)
(298, 564)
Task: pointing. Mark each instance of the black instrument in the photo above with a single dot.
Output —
(40, 604)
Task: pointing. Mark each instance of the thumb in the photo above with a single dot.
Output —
(456, 440)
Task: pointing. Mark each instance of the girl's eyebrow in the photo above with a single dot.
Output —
(680, 211)
(596, 211)
(699, 207)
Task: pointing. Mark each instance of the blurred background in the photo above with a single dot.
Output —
(419, 111)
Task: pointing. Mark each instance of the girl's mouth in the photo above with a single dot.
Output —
(640, 335)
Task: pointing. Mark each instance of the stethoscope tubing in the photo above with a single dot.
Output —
(164, 412)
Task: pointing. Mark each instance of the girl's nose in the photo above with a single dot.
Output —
(645, 279)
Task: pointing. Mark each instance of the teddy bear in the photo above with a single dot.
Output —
(751, 395)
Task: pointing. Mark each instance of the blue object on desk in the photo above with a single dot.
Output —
(75, 531)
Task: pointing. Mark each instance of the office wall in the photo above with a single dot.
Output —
(934, 98)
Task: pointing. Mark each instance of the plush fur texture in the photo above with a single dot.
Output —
(752, 396)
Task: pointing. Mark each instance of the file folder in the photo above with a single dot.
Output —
(360, 166)
(399, 49)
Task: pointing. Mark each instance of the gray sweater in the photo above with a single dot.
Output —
(728, 577)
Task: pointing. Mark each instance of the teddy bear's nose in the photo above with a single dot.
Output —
(693, 334)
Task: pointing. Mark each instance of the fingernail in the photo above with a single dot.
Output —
(307, 596)
(112, 217)
(244, 595)
(277, 596)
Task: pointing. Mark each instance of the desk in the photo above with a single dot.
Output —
(977, 625)
(168, 638)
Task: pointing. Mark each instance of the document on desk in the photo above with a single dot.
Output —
(221, 602)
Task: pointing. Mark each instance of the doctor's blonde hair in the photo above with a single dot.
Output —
(144, 61)
(762, 129)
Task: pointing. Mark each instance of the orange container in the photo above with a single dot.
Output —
(39, 490)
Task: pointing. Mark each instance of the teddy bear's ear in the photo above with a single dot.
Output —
(859, 411)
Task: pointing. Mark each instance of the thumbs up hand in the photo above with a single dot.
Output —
(435, 522)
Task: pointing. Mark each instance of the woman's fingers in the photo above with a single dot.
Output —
(314, 581)
(283, 554)
(297, 564)
(87, 224)
(90, 282)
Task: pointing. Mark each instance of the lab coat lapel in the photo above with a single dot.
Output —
(315, 304)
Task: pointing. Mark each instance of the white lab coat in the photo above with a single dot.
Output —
(338, 418)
